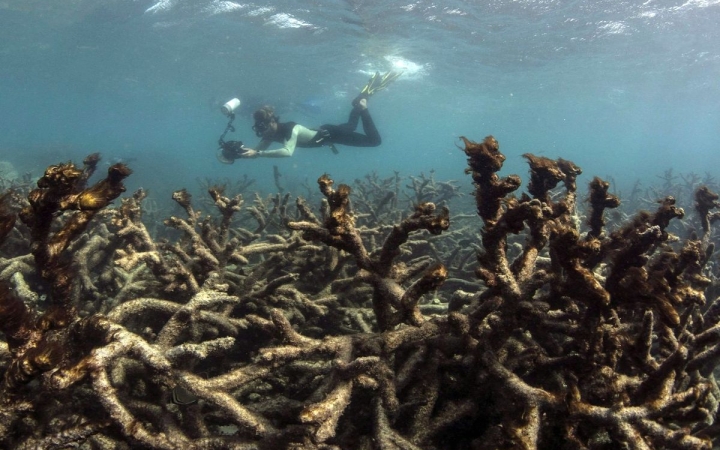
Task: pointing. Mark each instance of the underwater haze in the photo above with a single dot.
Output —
(625, 89)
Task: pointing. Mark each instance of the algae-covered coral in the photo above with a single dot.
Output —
(358, 324)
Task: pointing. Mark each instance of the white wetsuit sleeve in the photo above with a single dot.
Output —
(263, 145)
(299, 135)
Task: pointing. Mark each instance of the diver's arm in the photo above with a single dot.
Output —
(299, 135)
(248, 152)
(287, 150)
(263, 145)
(283, 152)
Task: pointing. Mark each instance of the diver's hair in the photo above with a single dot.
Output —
(265, 114)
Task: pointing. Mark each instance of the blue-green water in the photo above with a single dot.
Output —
(625, 89)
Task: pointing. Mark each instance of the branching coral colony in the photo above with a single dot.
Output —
(265, 328)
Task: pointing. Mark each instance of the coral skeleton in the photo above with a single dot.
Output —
(533, 321)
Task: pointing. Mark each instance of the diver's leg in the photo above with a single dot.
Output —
(372, 134)
(352, 122)
(345, 135)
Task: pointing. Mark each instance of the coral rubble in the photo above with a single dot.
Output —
(361, 325)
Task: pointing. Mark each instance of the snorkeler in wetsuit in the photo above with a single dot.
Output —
(292, 135)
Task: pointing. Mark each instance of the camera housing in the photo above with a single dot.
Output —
(229, 151)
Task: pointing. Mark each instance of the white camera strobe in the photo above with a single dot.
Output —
(230, 107)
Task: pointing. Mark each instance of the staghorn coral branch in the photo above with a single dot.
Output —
(20, 264)
(182, 317)
(599, 201)
(7, 217)
(391, 303)
(56, 194)
(240, 415)
(422, 219)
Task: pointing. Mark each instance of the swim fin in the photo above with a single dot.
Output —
(377, 83)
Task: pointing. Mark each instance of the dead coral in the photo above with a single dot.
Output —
(571, 368)
(275, 327)
(392, 303)
(7, 218)
(62, 189)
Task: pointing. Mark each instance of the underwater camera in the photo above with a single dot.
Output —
(229, 151)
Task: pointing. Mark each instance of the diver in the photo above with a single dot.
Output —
(291, 135)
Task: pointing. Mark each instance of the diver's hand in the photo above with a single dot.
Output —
(249, 153)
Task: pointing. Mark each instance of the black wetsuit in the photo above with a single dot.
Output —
(296, 135)
(345, 134)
